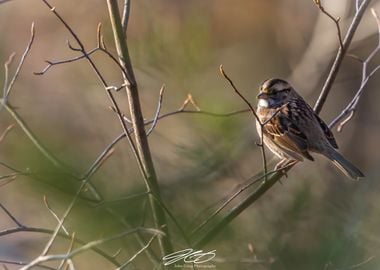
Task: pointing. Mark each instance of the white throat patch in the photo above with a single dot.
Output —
(263, 103)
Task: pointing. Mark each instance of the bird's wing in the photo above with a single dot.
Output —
(329, 135)
(286, 134)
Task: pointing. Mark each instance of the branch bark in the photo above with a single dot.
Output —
(147, 167)
(339, 57)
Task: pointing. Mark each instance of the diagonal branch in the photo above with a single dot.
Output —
(146, 166)
(339, 57)
(348, 112)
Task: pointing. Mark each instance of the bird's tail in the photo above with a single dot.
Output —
(344, 165)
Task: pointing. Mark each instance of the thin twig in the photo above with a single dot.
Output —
(19, 120)
(261, 144)
(98, 163)
(19, 263)
(5, 132)
(32, 136)
(339, 57)
(235, 211)
(238, 92)
(348, 112)
(335, 20)
(48, 231)
(71, 246)
(51, 64)
(100, 77)
(6, 73)
(253, 180)
(62, 219)
(54, 214)
(11, 216)
(88, 246)
(18, 69)
(155, 119)
(5, 180)
(127, 198)
(124, 265)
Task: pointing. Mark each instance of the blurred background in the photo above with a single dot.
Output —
(315, 219)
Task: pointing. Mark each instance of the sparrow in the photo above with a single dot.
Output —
(292, 130)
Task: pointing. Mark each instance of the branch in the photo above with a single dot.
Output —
(8, 88)
(11, 216)
(146, 166)
(87, 247)
(54, 214)
(126, 12)
(65, 61)
(157, 111)
(22, 263)
(348, 112)
(261, 144)
(235, 211)
(255, 180)
(137, 253)
(339, 57)
(5, 132)
(335, 20)
(47, 231)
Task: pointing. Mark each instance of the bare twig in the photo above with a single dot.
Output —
(127, 198)
(54, 214)
(348, 112)
(253, 180)
(62, 219)
(49, 232)
(6, 179)
(50, 64)
(238, 92)
(9, 87)
(21, 263)
(98, 163)
(32, 136)
(4, 102)
(124, 265)
(5, 132)
(71, 246)
(88, 246)
(155, 119)
(335, 20)
(235, 211)
(339, 57)
(261, 144)
(11, 216)
(6, 73)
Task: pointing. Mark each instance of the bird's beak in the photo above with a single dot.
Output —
(262, 95)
